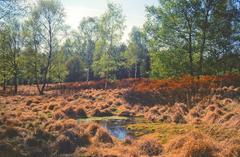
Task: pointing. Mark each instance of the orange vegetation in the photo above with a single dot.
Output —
(36, 126)
(187, 89)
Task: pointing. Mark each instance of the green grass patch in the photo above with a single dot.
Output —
(102, 118)
(166, 131)
(163, 131)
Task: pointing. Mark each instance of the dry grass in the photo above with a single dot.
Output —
(150, 147)
(103, 136)
(232, 151)
(11, 132)
(31, 124)
(79, 138)
(64, 145)
(61, 125)
(193, 144)
(186, 89)
(92, 129)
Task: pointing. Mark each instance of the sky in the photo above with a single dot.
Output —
(134, 10)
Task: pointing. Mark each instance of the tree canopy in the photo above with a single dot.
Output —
(195, 37)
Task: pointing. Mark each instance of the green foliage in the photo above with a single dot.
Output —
(111, 26)
(168, 63)
(136, 54)
(75, 68)
(88, 33)
(191, 36)
(10, 51)
(58, 71)
(49, 16)
(4, 70)
(32, 65)
(179, 37)
(10, 9)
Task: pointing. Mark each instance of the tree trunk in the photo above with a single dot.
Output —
(139, 71)
(190, 54)
(38, 87)
(4, 85)
(204, 30)
(88, 70)
(48, 61)
(15, 82)
(190, 49)
(4, 81)
(45, 77)
(201, 54)
(135, 73)
(36, 71)
(106, 81)
(36, 78)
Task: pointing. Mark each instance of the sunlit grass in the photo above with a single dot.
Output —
(167, 131)
(102, 118)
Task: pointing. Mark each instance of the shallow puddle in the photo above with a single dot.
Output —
(115, 125)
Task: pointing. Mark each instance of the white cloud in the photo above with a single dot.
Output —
(74, 14)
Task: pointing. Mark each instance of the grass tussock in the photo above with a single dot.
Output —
(11, 132)
(92, 129)
(62, 125)
(193, 144)
(171, 123)
(103, 136)
(150, 147)
(64, 145)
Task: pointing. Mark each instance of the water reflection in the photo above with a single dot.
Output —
(118, 127)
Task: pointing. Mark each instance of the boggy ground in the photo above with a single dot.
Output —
(44, 126)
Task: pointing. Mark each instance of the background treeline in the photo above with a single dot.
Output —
(179, 37)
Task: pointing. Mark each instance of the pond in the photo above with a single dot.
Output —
(115, 125)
